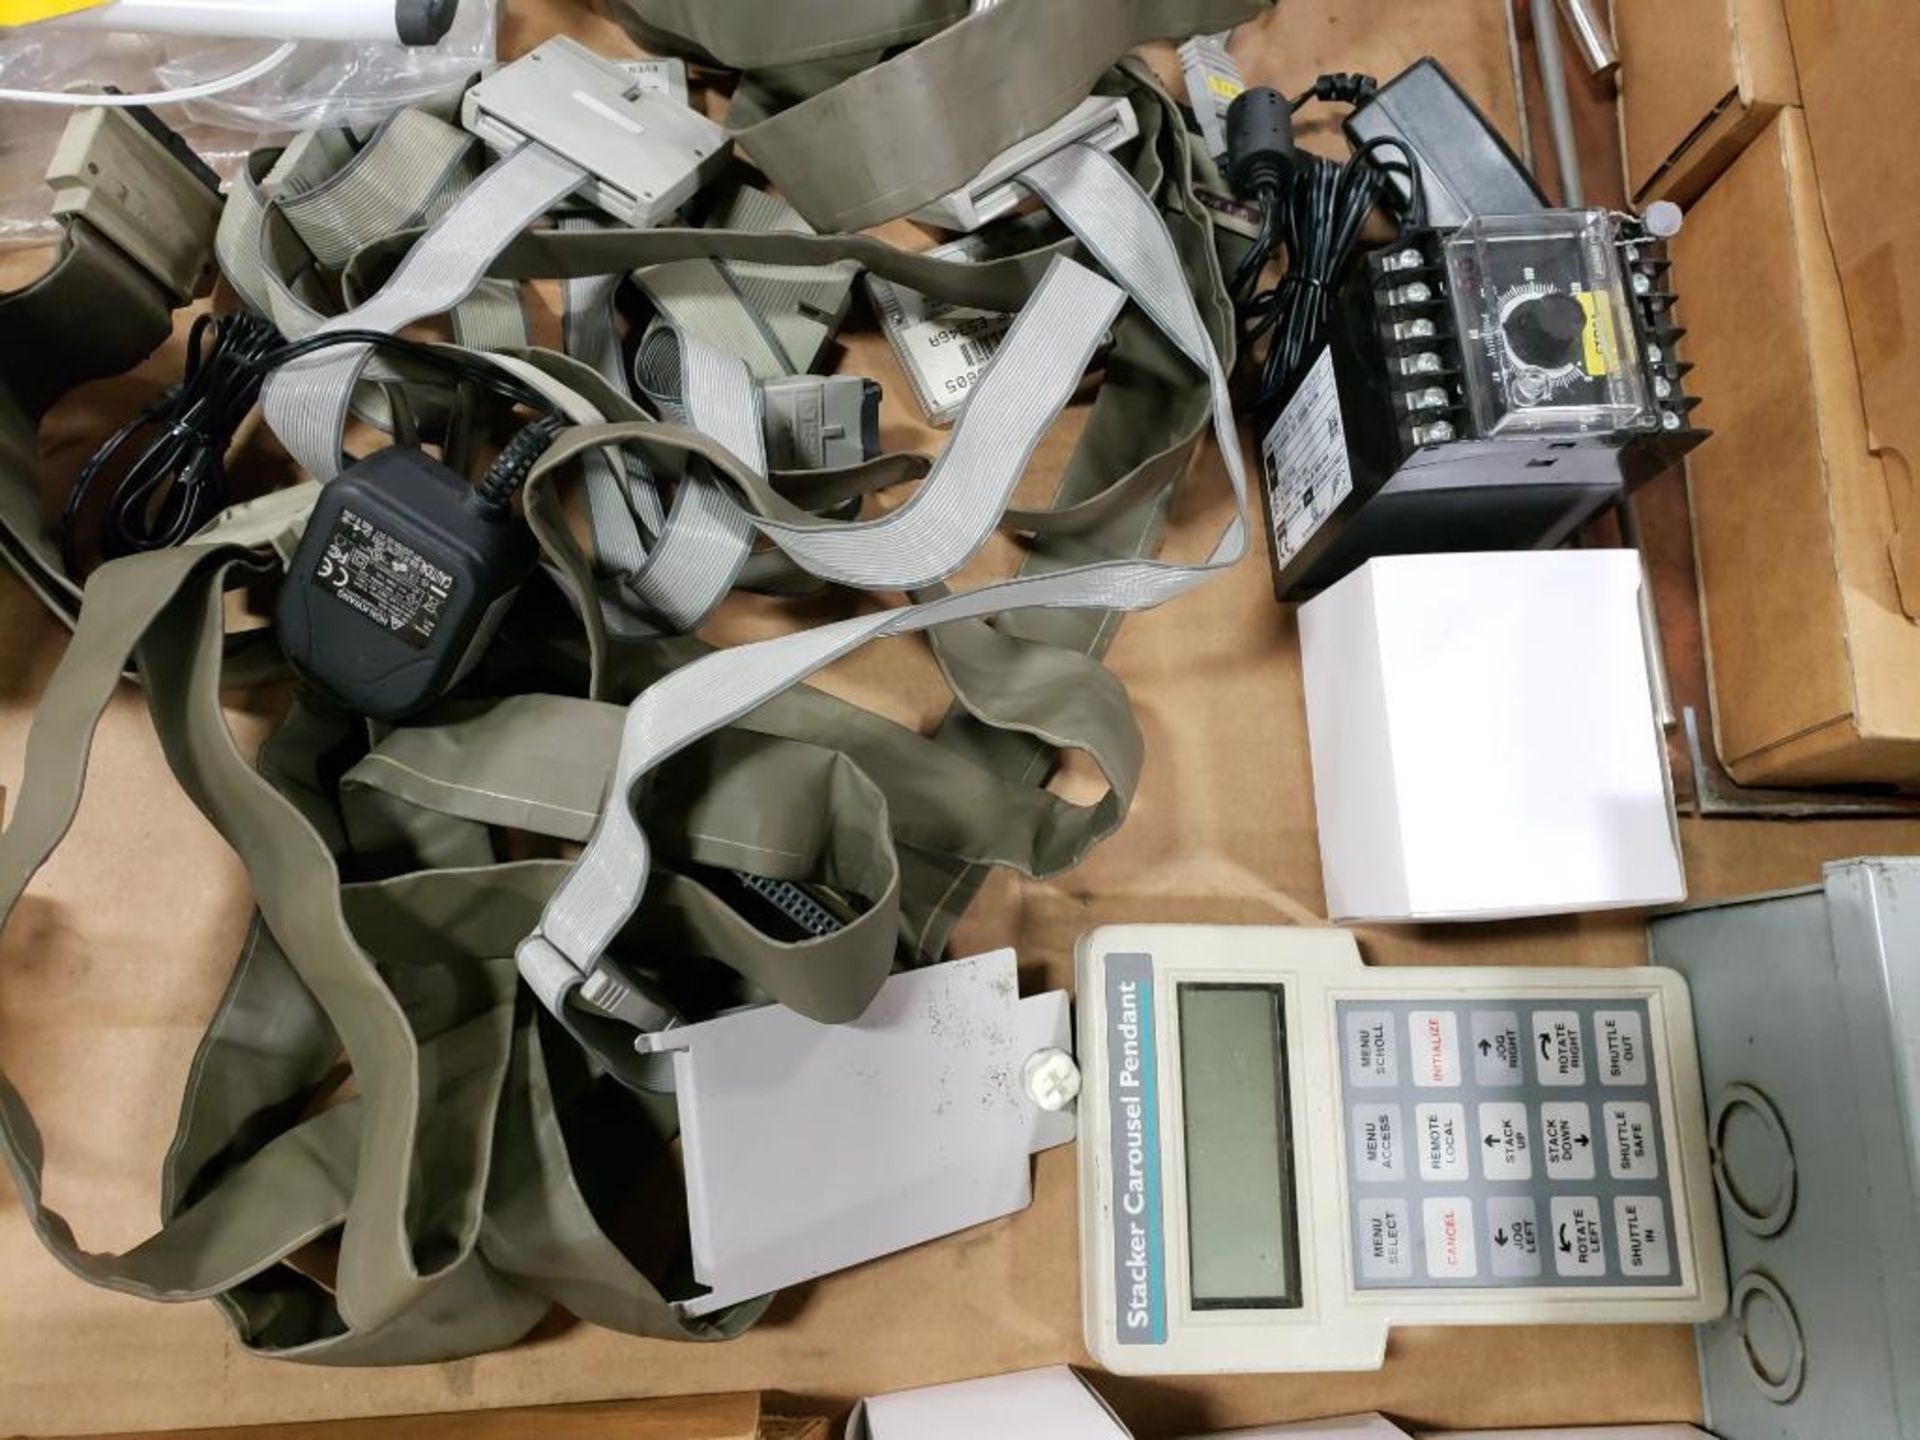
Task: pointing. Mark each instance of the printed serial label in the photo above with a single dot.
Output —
(944, 349)
(1308, 473)
(1139, 1265)
(385, 579)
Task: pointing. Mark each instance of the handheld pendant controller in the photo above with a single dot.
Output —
(1285, 1153)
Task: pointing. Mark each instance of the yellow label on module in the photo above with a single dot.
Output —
(25, 12)
(1225, 86)
(1597, 340)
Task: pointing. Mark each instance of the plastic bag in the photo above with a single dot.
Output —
(323, 83)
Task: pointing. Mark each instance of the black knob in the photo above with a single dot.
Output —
(1546, 332)
(424, 22)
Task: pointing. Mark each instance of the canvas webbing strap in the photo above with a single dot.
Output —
(891, 136)
(459, 1207)
(1117, 222)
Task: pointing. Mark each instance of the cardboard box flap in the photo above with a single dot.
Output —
(1691, 72)
(1858, 60)
(1765, 474)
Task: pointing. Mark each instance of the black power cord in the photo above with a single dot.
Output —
(177, 482)
(1312, 208)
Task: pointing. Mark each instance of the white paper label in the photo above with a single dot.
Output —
(943, 348)
(1308, 473)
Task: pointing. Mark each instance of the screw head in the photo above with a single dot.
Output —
(1052, 1079)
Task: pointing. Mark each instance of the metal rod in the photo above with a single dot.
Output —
(1629, 520)
(1553, 84)
(1590, 35)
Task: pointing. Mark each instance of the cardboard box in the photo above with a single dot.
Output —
(1814, 664)
(1699, 80)
(1340, 1427)
(1050, 1404)
(1484, 738)
(1859, 60)
(707, 1417)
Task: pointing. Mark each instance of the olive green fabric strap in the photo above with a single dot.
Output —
(907, 130)
(447, 1244)
(94, 313)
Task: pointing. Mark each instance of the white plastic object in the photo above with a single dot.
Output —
(358, 20)
(1663, 219)
(89, 100)
(810, 1147)
(1052, 1079)
(1484, 738)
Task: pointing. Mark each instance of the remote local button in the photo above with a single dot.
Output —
(1640, 1228)
(1558, 1053)
(1505, 1146)
(1379, 1136)
(1513, 1230)
(1441, 1133)
(1386, 1240)
(1620, 1047)
(1630, 1150)
(1578, 1249)
(1448, 1226)
(1435, 1038)
(1566, 1135)
(1371, 1059)
(1499, 1053)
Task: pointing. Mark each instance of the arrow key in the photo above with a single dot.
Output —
(1504, 1142)
(1513, 1225)
(1566, 1137)
(1576, 1234)
(1499, 1048)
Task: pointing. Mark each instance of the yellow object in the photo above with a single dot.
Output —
(1597, 340)
(1224, 86)
(25, 12)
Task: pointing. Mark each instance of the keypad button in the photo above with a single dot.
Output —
(1504, 1141)
(1434, 1038)
(1379, 1143)
(1371, 1057)
(1566, 1138)
(1579, 1246)
(1447, 1233)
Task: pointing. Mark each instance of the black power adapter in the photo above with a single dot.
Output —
(404, 575)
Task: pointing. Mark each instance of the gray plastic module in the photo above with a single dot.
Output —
(1807, 1009)
(810, 1147)
(644, 153)
(1105, 122)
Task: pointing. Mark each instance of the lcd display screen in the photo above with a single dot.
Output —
(1241, 1234)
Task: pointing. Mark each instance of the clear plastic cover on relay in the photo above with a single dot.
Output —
(1546, 325)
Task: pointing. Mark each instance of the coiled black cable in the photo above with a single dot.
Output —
(1314, 209)
(177, 482)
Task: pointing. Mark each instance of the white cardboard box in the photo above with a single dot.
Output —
(1051, 1404)
(1485, 743)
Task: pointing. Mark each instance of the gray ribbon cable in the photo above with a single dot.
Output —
(306, 403)
(708, 535)
(1119, 225)
(620, 494)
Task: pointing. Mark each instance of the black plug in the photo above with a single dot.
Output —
(404, 575)
(1260, 151)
